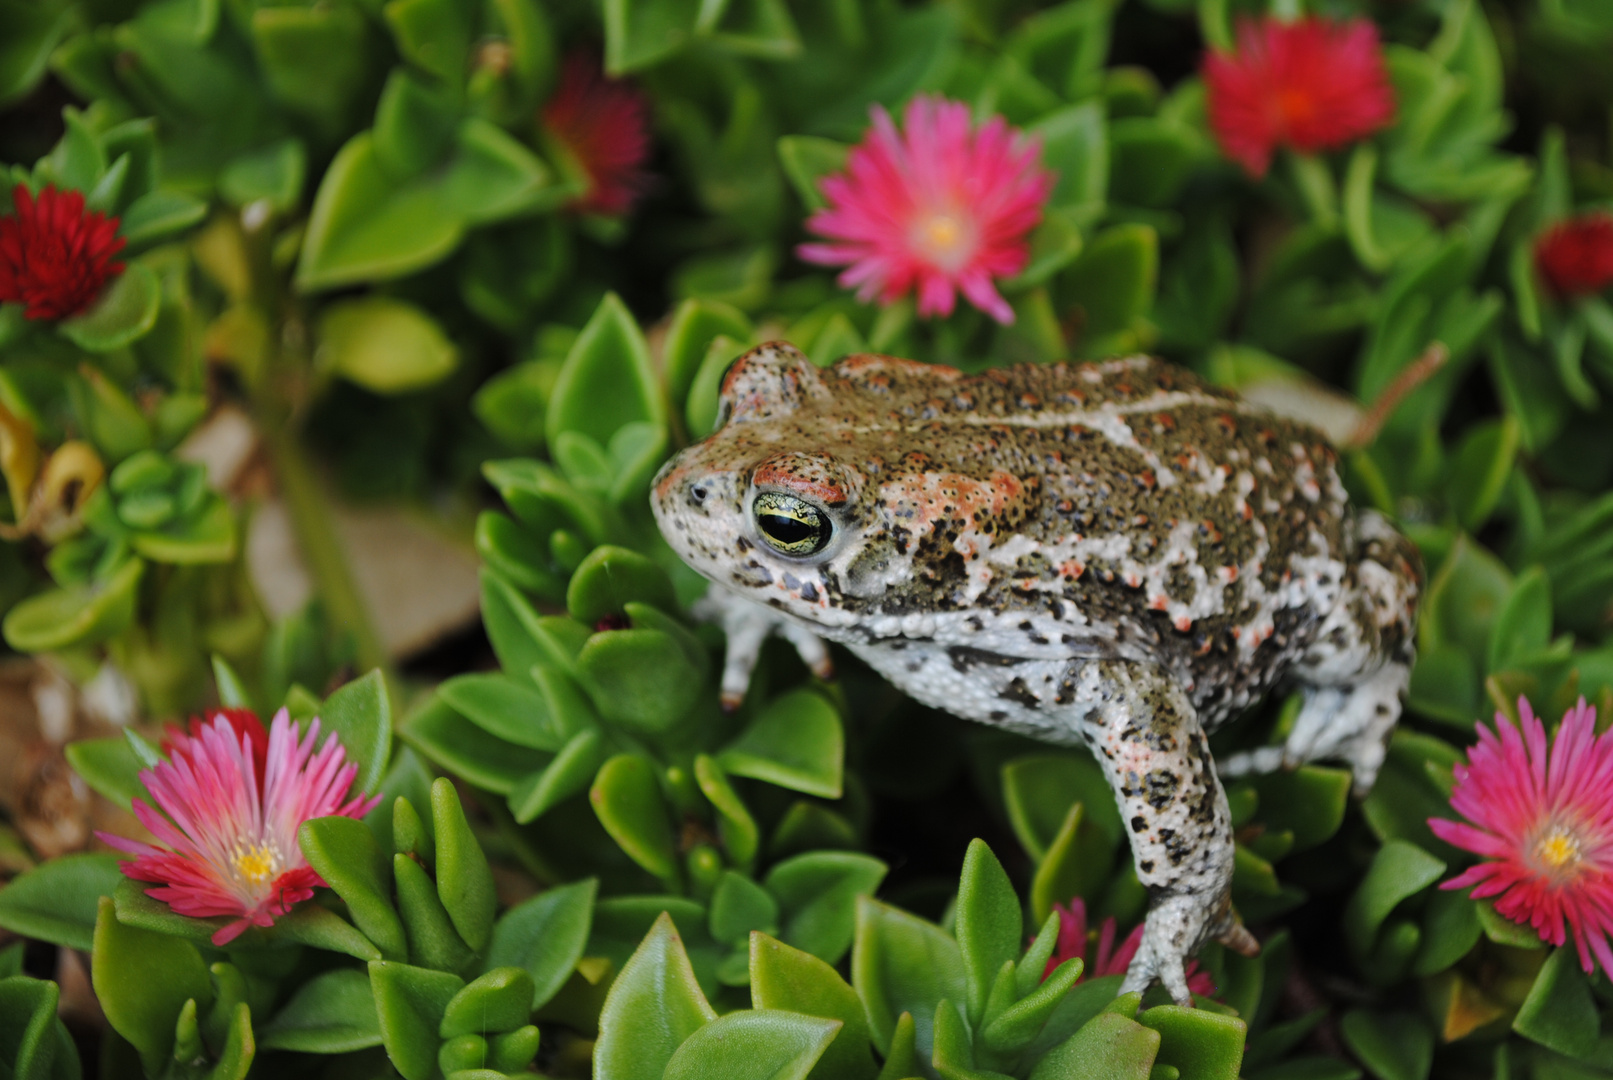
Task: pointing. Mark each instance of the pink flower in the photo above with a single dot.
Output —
(1541, 814)
(605, 124)
(1314, 84)
(234, 799)
(1074, 938)
(939, 206)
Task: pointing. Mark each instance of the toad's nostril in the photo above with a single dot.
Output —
(698, 493)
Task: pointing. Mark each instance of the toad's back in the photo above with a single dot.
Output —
(1142, 511)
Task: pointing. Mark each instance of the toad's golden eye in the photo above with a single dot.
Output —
(790, 525)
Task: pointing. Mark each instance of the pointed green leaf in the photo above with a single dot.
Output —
(607, 379)
(143, 980)
(796, 742)
(546, 935)
(333, 1013)
(1559, 1012)
(753, 1042)
(409, 1003)
(1108, 1047)
(360, 713)
(57, 900)
(628, 801)
(508, 708)
(500, 1000)
(818, 893)
(345, 854)
(990, 926)
(901, 963)
(127, 310)
(654, 1005)
(796, 981)
(464, 880)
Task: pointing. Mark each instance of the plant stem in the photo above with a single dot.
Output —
(321, 546)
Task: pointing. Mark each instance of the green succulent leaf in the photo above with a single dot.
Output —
(627, 798)
(990, 925)
(1110, 1047)
(333, 1013)
(901, 963)
(127, 310)
(753, 1042)
(344, 853)
(1560, 1012)
(464, 879)
(545, 935)
(818, 894)
(143, 980)
(795, 981)
(795, 742)
(409, 1005)
(607, 379)
(656, 983)
(57, 901)
(360, 714)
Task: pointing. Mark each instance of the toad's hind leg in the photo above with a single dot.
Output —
(1143, 728)
(1357, 667)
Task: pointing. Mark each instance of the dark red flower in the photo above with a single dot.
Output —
(1074, 938)
(54, 257)
(1313, 84)
(1576, 256)
(605, 124)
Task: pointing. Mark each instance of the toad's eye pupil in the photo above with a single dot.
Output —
(790, 525)
(786, 530)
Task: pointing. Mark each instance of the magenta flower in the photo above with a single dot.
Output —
(1541, 814)
(1108, 960)
(940, 206)
(234, 799)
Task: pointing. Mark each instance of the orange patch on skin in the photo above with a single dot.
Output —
(670, 480)
(1159, 602)
(1183, 623)
(778, 474)
(937, 496)
(1228, 574)
(1072, 570)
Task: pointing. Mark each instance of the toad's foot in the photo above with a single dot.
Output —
(1175, 928)
(1336, 723)
(747, 624)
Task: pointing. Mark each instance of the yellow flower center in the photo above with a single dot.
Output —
(944, 238)
(258, 864)
(1557, 850)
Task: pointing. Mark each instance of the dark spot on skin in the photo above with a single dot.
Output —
(809, 592)
(998, 714)
(1159, 788)
(965, 657)
(1138, 824)
(1017, 692)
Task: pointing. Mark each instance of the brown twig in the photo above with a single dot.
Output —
(1383, 407)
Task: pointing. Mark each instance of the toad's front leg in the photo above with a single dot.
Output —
(747, 625)
(1140, 723)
